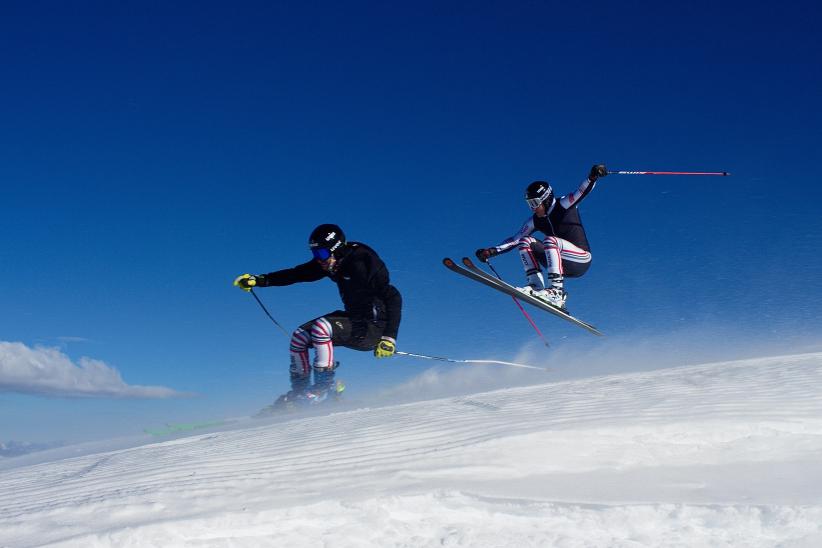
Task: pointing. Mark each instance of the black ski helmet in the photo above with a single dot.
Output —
(326, 240)
(537, 193)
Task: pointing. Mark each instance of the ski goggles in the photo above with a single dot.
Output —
(321, 253)
(534, 203)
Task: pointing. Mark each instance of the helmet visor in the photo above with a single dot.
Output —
(320, 253)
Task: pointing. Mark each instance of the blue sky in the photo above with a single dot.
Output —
(150, 153)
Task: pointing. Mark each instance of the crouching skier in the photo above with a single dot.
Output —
(370, 321)
(564, 251)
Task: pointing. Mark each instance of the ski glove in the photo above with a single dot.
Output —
(245, 282)
(483, 254)
(597, 171)
(385, 348)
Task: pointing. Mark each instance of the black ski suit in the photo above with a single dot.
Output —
(372, 306)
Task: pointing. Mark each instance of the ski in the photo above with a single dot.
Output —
(471, 271)
(292, 403)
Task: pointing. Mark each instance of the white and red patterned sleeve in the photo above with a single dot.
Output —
(573, 199)
(509, 243)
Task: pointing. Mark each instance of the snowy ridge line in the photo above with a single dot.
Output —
(538, 444)
(427, 433)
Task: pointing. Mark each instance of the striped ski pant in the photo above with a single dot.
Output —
(561, 259)
(318, 334)
(335, 328)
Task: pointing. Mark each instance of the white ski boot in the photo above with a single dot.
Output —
(529, 290)
(554, 296)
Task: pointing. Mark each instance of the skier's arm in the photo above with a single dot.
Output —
(585, 188)
(510, 243)
(306, 272)
(574, 198)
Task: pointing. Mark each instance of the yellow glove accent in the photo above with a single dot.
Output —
(385, 348)
(245, 282)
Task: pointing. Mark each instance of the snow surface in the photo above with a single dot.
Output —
(723, 454)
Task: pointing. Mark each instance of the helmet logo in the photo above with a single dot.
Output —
(331, 236)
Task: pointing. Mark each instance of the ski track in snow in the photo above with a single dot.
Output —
(724, 454)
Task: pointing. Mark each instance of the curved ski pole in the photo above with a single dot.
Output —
(267, 313)
(452, 360)
(519, 305)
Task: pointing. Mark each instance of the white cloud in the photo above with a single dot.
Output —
(72, 339)
(47, 371)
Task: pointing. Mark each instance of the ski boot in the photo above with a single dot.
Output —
(330, 394)
(529, 289)
(554, 294)
(325, 386)
(287, 403)
(556, 297)
(291, 400)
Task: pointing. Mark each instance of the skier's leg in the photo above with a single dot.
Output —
(563, 259)
(325, 332)
(530, 260)
(323, 382)
(575, 260)
(343, 331)
(321, 333)
(299, 383)
(553, 260)
(300, 369)
(317, 333)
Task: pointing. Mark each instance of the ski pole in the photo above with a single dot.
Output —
(452, 360)
(267, 313)
(519, 305)
(719, 173)
(409, 353)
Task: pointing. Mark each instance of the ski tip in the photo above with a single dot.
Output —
(467, 262)
(594, 330)
(447, 262)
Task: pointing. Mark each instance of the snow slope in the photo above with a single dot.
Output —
(723, 454)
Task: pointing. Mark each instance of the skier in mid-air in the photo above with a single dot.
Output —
(563, 252)
(370, 321)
